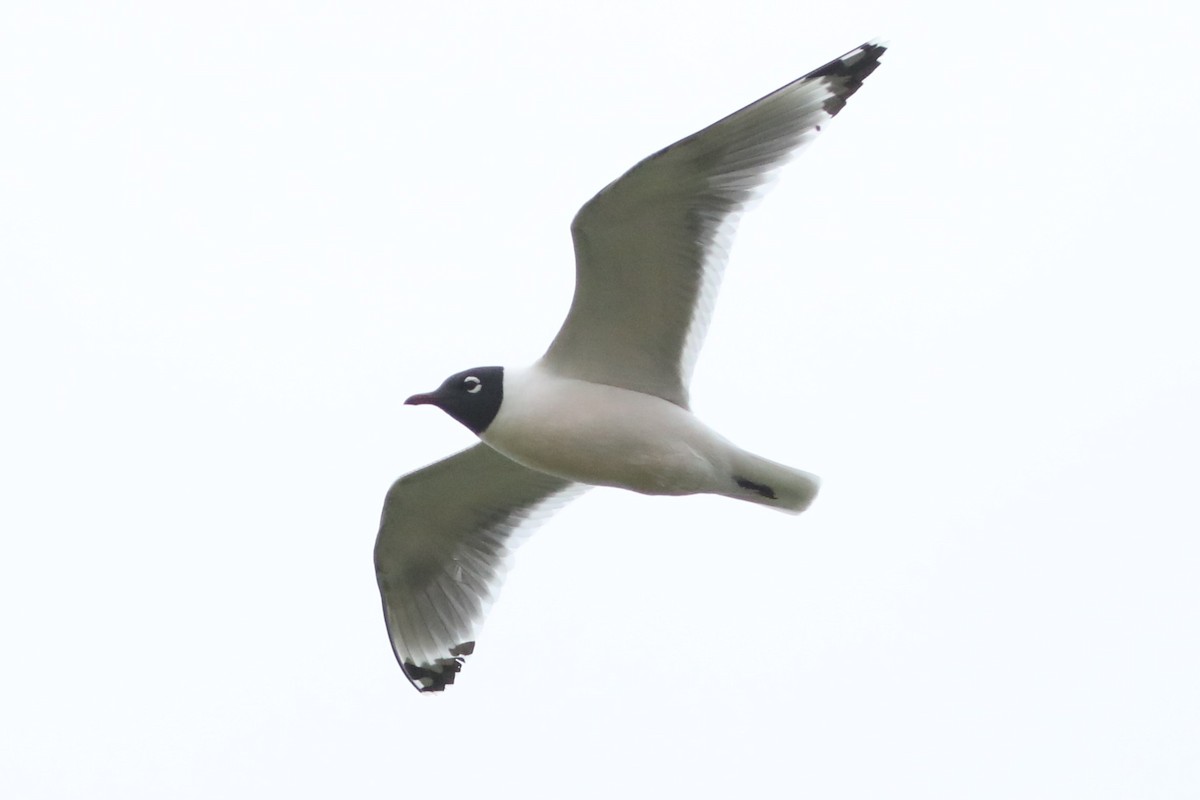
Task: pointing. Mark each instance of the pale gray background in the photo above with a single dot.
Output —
(234, 238)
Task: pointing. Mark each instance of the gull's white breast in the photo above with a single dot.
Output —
(606, 436)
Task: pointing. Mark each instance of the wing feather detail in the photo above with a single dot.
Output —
(445, 539)
(651, 247)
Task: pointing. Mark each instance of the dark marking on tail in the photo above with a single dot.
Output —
(761, 488)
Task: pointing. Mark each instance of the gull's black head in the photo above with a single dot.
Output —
(472, 396)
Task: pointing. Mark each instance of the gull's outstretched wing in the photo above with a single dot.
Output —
(444, 539)
(651, 246)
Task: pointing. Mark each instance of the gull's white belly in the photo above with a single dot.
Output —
(602, 435)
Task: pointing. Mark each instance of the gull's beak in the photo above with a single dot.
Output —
(422, 400)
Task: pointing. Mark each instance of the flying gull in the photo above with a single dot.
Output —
(607, 405)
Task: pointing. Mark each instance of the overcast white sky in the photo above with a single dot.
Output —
(234, 237)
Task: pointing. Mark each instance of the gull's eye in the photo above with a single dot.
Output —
(472, 384)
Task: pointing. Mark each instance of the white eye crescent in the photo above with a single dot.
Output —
(473, 384)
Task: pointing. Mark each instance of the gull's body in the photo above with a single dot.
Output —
(603, 435)
(607, 405)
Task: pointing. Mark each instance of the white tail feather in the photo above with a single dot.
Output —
(768, 483)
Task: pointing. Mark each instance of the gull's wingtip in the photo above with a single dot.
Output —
(854, 65)
(846, 73)
(437, 676)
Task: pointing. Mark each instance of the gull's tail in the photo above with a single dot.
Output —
(768, 483)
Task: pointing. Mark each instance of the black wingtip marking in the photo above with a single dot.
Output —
(436, 677)
(761, 488)
(848, 72)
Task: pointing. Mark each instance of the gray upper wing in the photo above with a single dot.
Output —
(445, 536)
(650, 248)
